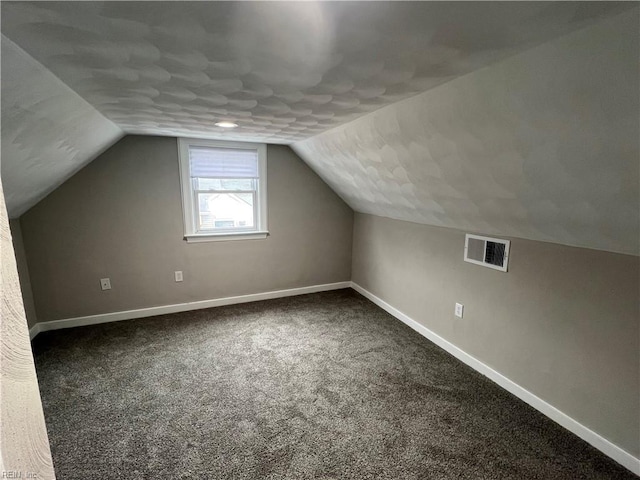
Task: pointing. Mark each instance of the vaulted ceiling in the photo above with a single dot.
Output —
(48, 130)
(82, 74)
(543, 145)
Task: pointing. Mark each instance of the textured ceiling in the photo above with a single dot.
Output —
(529, 147)
(282, 71)
(48, 131)
(543, 145)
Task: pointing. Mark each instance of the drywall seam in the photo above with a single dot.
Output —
(180, 307)
(605, 446)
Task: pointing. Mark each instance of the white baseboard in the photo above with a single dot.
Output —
(35, 330)
(605, 446)
(616, 453)
(179, 307)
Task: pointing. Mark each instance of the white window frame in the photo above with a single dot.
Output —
(191, 234)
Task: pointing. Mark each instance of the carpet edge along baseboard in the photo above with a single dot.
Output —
(594, 439)
(179, 307)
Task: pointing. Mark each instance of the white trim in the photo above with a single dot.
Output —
(605, 446)
(180, 307)
(222, 237)
(185, 189)
(35, 330)
(186, 192)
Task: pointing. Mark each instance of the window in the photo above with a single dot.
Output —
(224, 194)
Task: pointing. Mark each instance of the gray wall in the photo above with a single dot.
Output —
(121, 217)
(23, 268)
(563, 322)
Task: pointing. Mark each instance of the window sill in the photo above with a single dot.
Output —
(224, 237)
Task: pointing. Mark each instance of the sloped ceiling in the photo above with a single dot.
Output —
(48, 131)
(543, 145)
(285, 72)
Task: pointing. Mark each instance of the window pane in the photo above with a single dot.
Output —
(224, 183)
(225, 211)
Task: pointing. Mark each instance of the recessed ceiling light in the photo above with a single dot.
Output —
(226, 124)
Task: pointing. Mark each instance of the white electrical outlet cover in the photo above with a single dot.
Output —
(105, 284)
(459, 311)
(178, 275)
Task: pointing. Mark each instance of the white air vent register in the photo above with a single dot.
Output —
(487, 251)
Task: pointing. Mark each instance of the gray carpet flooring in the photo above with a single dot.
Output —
(322, 386)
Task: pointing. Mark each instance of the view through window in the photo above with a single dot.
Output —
(223, 187)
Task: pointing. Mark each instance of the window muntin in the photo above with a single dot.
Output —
(223, 188)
